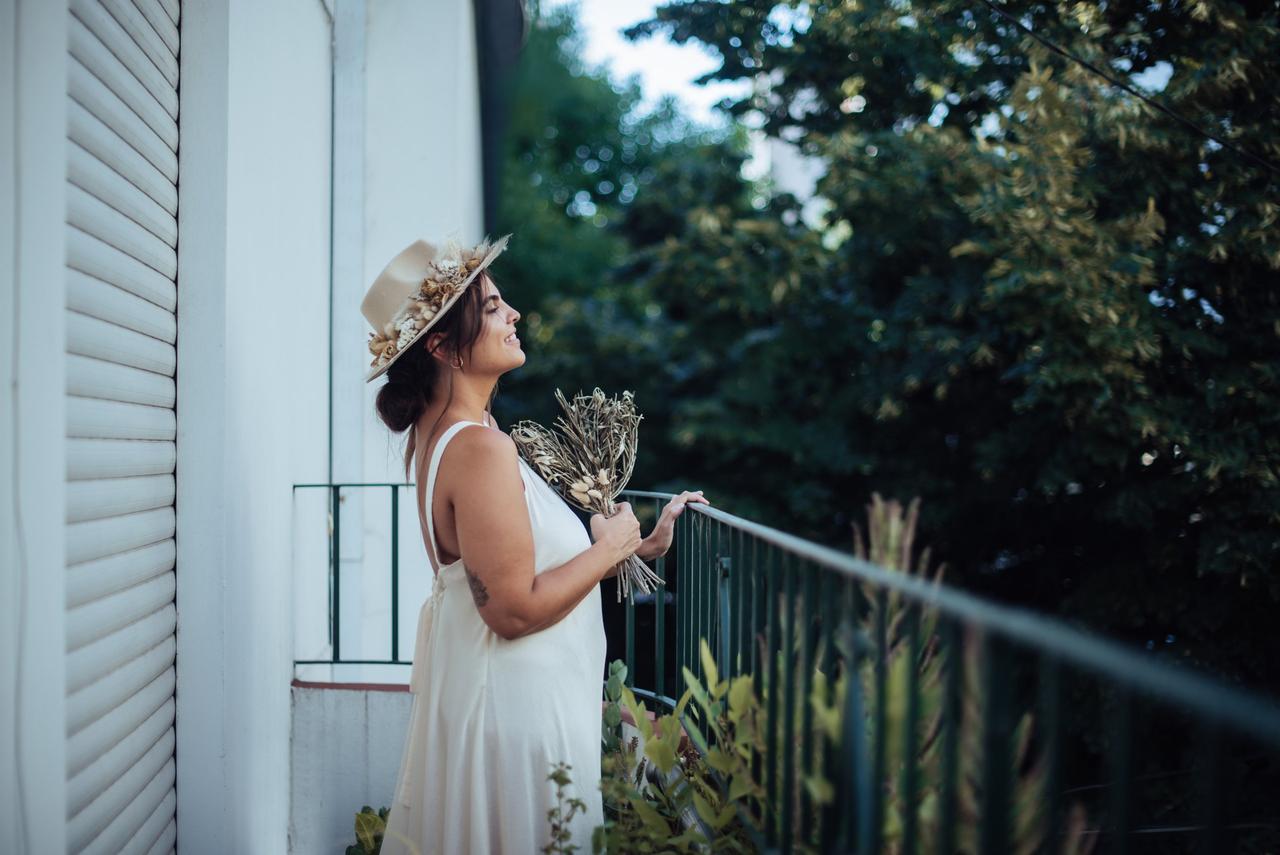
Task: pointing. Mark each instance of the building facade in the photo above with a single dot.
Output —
(195, 195)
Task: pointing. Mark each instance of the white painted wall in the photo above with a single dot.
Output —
(32, 452)
(252, 398)
(407, 156)
(345, 754)
(422, 148)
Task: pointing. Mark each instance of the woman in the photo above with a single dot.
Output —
(510, 651)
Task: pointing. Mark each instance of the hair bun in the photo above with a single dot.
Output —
(401, 400)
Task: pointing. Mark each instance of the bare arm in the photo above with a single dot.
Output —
(495, 540)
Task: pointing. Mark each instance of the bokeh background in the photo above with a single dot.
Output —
(1016, 290)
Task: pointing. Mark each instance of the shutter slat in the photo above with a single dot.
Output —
(96, 418)
(97, 738)
(118, 458)
(172, 9)
(96, 58)
(87, 541)
(92, 820)
(92, 621)
(102, 300)
(164, 845)
(93, 500)
(95, 217)
(90, 133)
(94, 378)
(99, 339)
(116, 838)
(93, 579)
(152, 832)
(97, 698)
(109, 653)
(92, 94)
(91, 781)
(99, 180)
(107, 30)
(162, 23)
(133, 22)
(87, 254)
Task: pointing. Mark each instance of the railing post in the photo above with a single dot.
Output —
(335, 622)
(881, 700)
(910, 786)
(1051, 744)
(789, 711)
(1120, 754)
(724, 570)
(395, 574)
(659, 620)
(996, 729)
(771, 668)
(629, 609)
(953, 643)
(1212, 794)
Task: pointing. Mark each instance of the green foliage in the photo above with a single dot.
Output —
(612, 730)
(557, 817)
(713, 796)
(1035, 302)
(370, 827)
(663, 795)
(1043, 307)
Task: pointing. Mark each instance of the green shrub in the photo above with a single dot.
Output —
(370, 827)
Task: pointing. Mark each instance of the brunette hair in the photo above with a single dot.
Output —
(413, 379)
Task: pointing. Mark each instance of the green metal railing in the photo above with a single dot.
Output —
(964, 725)
(1006, 690)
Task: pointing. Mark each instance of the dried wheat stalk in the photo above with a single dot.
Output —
(588, 461)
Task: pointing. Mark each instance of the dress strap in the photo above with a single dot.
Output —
(432, 469)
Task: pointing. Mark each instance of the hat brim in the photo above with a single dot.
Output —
(488, 259)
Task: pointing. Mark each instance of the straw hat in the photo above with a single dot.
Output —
(414, 291)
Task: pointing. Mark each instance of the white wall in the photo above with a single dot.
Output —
(32, 454)
(252, 398)
(422, 153)
(346, 753)
(407, 154)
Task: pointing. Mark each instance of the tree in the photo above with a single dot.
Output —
(1051, 311)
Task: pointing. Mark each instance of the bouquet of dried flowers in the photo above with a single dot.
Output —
(588, 461)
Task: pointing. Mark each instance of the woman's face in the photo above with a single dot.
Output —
(498, 349)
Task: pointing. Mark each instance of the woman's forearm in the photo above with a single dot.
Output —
(558, 591)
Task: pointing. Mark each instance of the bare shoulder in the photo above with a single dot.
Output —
(485, 444)
(485, 448)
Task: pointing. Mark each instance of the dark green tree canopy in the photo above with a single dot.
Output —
(1044, 307)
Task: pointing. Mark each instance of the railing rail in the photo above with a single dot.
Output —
(941, 687)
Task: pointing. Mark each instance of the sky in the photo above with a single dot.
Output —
(664, 68)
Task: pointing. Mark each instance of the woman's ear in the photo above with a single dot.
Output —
(433, 347)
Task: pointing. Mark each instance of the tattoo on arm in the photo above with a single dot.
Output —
(478, 591)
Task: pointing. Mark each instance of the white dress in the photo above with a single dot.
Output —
(491, 717)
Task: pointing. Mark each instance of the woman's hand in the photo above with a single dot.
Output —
(659, 540)
(621, 531)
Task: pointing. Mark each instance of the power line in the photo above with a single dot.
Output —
(1114, 81)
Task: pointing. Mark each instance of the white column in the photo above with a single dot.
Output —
(203, 486)
(349, 350)
(33, 87)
